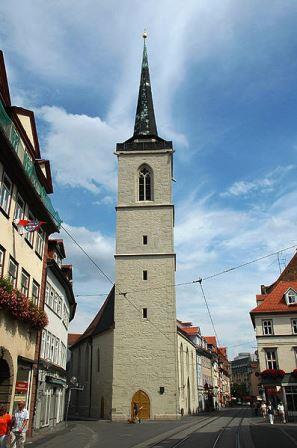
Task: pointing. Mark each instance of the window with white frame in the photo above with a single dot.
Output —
(267, 327)
(51, 298)
(5, 193)
(25, 280)
(19, 209)
(57, 351)
(59, 306)
(294, 326)
(47, 345)
(52, 347)
(291, 297)
(47, 293)
(30, 235)
(43, 344)
(55, 302)
(271, 358)
(13, 271)
(39, 242)
(35, 292)
(2, 256)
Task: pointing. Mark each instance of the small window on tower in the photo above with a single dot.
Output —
(144, 239)
(144, 275)
(144, 313)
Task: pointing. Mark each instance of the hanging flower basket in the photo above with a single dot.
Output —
(273, 373)
(19, 307)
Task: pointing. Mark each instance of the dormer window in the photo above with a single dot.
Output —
(291, 297)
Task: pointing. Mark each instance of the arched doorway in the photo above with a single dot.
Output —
(189, 396)
(5, 385)
(143, 401)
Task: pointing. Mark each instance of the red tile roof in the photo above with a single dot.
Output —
(72, 338)
(211, 340)
(275, 301)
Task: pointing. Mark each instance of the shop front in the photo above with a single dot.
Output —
(50, 400)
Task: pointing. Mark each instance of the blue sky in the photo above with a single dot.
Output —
(224, 85)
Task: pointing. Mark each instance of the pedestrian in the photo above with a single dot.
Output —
(263, 410)
(20, 425)
(5, 426)
(281, 412)
(270, 412)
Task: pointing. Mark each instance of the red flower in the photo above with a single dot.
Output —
(273, 373)
(21, 308)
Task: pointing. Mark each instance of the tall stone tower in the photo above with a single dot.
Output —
(145, 339)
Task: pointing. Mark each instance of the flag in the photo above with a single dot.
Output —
(26, 225)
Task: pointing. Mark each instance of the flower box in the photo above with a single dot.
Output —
(19, 307)
(273, 373)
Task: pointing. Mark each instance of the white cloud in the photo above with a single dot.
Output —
(87, 279)
(80, 149)
(211, 238)
(265, 184)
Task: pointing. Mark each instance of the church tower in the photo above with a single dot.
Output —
(145, 336)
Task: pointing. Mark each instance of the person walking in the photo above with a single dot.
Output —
(264, 410)
(20, 425)
(5, 426)
(281, 412)
(270, 412)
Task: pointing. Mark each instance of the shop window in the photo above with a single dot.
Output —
(13, 271)
(5, 193)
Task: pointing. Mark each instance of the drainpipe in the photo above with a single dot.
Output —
(90, 377)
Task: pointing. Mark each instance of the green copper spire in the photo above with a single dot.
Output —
(145, 123)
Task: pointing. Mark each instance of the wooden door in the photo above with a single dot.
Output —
(143, 401)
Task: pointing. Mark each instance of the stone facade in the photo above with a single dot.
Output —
(145, 348)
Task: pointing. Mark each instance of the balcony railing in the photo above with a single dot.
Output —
(11, 132)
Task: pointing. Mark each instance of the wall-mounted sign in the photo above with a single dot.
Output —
(21, 386)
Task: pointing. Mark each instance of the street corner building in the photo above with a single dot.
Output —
(131, 346)
(275, 323)
(60, 308)
(27, 218)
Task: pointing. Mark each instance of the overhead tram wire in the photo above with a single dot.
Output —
(124, 294)
(211, 276)
(173, 285)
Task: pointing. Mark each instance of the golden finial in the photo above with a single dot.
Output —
(144, 34)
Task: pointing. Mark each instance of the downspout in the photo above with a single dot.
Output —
(91, 376)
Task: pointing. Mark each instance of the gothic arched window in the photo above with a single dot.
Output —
(145, 186)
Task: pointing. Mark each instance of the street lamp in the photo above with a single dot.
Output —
(73, 385)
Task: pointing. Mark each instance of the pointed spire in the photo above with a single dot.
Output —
(145, 123)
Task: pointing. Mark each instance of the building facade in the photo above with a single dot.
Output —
(275, 323)
(187, 368)
(60, 308)
(25, 182)
(244, 376)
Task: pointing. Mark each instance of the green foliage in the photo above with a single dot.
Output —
(6, 284)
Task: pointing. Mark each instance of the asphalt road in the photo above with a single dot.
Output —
(229, 428)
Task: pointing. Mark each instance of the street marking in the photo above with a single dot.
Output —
(289, 436)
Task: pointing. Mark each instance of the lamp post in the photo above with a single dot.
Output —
(73, 385)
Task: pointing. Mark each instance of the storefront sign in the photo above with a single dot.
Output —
(21, 386)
